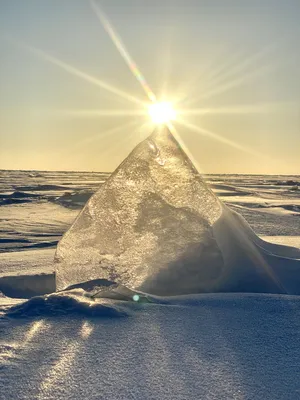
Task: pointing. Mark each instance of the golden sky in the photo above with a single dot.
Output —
(76, 79)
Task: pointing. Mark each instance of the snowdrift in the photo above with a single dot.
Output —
(204, 346)
(73, 302)
(157, 227)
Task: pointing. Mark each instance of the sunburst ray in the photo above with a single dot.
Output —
(77, 72)
(166, 68)
(260, 108)
(94, 113)
(141, 130)
(219, 138)
(231, 84)
(94, 139)
(221, 83)
(176, 135)
(122, 50)
(106, 133)
(212, 69)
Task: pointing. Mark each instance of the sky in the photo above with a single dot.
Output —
(230, 68)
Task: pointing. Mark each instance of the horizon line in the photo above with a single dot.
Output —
(110, 172)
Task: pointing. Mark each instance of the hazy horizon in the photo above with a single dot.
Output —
(110, 172)
(231, 66)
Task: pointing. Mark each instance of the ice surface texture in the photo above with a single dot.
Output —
(156, 226)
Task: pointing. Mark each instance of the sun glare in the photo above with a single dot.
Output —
(222, 79)
(162, 113)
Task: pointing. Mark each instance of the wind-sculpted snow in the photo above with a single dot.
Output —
(73, 302)
(157, 227)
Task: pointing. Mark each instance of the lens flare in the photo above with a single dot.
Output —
(122, 50)
(162, 113)
(135, 297)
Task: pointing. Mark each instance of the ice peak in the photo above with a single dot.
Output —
(156, 226)
(150, 213)
(162, 132)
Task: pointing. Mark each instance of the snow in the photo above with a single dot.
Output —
(210, 346)
(99, 341)
(27, 262)
(293, 241)
(26, 226)
(25, 274)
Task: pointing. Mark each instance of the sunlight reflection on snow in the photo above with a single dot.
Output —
(58, 372)
(59, 369)
(86, 330)
(35, 328)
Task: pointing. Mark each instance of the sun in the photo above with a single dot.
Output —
(162, 112)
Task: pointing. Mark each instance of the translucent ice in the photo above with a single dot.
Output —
(156, 226)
